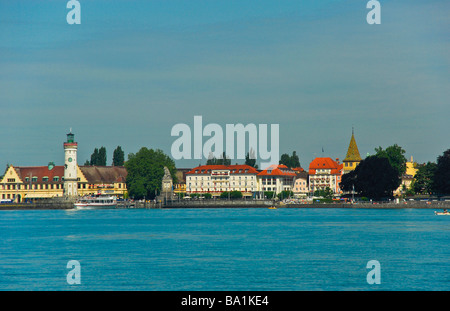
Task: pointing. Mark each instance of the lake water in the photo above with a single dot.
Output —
(255, 249)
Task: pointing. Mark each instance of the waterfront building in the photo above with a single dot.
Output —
(407, 178)
(216, 179)
(27, 183)
(300, 187)
(325, 172)
(102, 179)
(353, 158)
(180, 186)
(276, 178)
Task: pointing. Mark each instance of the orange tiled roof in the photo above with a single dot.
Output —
(234, 169)
(277, 170)
(325, 163)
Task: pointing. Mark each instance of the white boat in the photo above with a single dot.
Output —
(96, 202)
(442, 213)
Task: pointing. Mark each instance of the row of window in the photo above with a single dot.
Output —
(46, 186)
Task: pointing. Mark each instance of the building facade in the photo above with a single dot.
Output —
(323, 173)
(216, 179)
(28, 183)
(301, 186)
(276, 178)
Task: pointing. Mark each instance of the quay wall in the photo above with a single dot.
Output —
(68, 204)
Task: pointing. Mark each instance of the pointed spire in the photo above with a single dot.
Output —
(352, 152)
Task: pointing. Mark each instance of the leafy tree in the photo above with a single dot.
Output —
(224, 195)
(94, 157)
(118, 157)
(424, 178)
(376, 178)
(269, 194)
(101, 156)
(441, 180)
(207, 195)
(98, 157)
(348, 181)
(327, 193)
(235, 194)
(87, 163)
(290, 161)
(222, 160)
(145, 172)
(395, 155)
(284, 194)
(250, 162)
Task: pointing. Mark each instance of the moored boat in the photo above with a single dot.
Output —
(96, 202)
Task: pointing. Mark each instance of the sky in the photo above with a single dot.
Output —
(132, 70)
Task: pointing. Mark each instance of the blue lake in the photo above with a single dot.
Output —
(254, 249)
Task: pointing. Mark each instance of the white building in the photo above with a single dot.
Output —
(216, 179)
(276, 178)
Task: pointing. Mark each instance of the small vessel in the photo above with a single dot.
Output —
(96, 202)
(272, 207)
(445, 212)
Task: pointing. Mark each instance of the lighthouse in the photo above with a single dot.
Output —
(70, 166)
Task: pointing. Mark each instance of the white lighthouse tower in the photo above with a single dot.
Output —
(70, 166)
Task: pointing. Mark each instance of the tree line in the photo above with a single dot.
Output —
(379, 175)
(98, 157)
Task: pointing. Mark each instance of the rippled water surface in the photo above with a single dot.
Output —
(225, 249)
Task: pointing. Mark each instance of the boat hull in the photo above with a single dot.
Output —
(442, 213)
(94, 206)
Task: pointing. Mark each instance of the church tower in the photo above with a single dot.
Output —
(353, 158)
(70, 166)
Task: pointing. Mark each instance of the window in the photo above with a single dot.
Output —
(56, 178)
(45, 178)
(34, 179)
(11, 180)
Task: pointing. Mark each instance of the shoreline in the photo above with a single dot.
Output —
(234, 204)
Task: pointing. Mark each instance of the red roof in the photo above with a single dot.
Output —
(277, 170)
(234, 169)
(325, 163)
(40, 172)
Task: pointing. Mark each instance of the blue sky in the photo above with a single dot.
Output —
(134, 69)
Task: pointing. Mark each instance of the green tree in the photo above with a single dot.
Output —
(102, 156)
(290, 161)
(118, 157)
(395, 155)
(94, 157)
(235, 194)
(376, 178)
(222, 160)
(145, 171)
(284, 194)
(250, 162)
(441, 180)
(98, 157)
(327, 193)
(348, 181)
(424, 178)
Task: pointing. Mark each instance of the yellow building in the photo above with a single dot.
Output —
(27, 183)
(353, 158)
(20, 184)
(407, 178)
